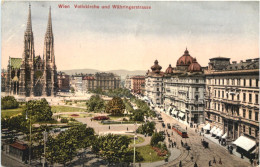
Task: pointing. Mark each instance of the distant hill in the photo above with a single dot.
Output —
(122, 73)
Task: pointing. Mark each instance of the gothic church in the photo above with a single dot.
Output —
(32, 75)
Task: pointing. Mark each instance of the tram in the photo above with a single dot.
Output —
(182, 132)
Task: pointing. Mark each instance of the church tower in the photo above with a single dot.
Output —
(26, 82)
(50, 72)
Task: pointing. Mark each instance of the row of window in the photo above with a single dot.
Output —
(235, 82)
(250, 100)
(256, 115)
(250, 130)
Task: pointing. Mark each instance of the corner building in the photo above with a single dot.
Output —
(184, 88)
(232, 97)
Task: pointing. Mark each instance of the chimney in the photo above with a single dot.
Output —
(234, 62)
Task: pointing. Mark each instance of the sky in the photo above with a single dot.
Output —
(110, 39)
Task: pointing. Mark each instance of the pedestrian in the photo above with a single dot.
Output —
(220, 162)
(172, 145)
(181, 143)
(251, 161)
(139, 164)
(191, 158)
(214, 160)
(219, 140)
(242, 156)
(195, 165)
(210, 163)
(175, 144)
(127, 128)
(180, 164)
(109, 127)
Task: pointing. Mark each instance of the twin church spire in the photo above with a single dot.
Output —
(48, 53)
(29, 22)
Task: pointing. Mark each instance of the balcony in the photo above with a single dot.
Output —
(229, 116)
(256, 123)
(231, 102)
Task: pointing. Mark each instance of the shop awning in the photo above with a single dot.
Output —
(220, 133)
(207, 127)
(181, 114)
(213, 129)
(215, 132)
(224, 136)
(169, 109)
(245, 143)
(174, 112)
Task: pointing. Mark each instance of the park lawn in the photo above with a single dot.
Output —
(11, 112)
(56, 109)
(80, 115)
(137, 141)
(81, 104)
(116, 117)
(145, 153)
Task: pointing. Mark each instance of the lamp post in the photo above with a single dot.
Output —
(45, 137)
(30, 144)
(134, 145)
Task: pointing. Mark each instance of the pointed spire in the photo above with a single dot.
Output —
(29, 21)
(49, 26)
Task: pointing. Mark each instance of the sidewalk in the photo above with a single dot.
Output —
(213, 139)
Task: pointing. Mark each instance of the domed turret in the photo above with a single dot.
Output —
(194, 66)
(169, 70)
(156, 68)
(185, 59)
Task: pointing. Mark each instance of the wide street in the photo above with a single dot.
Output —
(200, 154)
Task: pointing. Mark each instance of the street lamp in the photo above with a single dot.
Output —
(30, 145)
(134, 145)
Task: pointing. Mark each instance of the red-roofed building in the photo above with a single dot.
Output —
(136, 84)
(19, 151)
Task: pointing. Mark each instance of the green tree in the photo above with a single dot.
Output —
(114, 148)
(83, 136)
(61, 149)
(17, 123)
(9, 102)
(138, 115)
(156, 138)
(115, 106)
(147, 128)
(95, 104)
(38, 110)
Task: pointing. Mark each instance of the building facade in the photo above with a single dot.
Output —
(154, 84)
(32, 75)
(232, 97)
(87, 82)
(136, 84)
(128, 82)
(106, 81)
(184, 88)
(63, 82)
